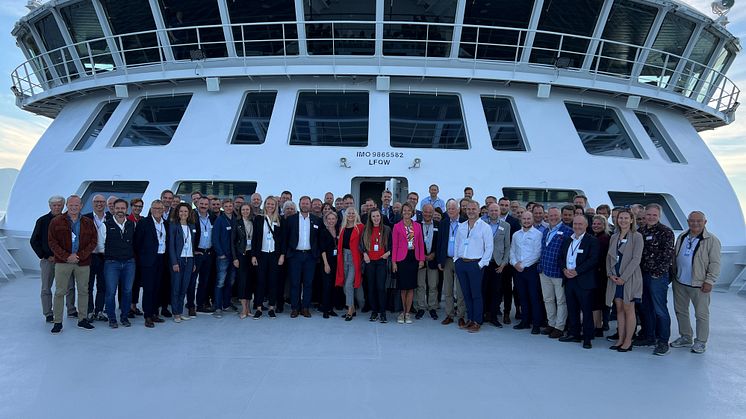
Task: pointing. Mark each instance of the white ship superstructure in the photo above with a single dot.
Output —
(536, 100)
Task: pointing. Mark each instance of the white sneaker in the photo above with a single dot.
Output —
(218, 314)
(699, 347)
(408, 318)
(400, 319)
(682, 342)
(186, 317)
(177, 319)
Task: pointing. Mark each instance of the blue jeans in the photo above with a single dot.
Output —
(469, 276)
(180, 283)
(302, 266)
(224, 283)
(118, 273)
(657, 320)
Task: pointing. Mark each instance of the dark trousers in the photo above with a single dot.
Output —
(493, 290)
(164, 291)
(375, 273)
(136, 285)
(202, 269)
(283, 279)
(579, 300)
(267, 276)
(507, 280)
(152, 277)
(301, 267)
(470, 278)
(328, 288)
(528, 285)
(96, 275)
(246, 277)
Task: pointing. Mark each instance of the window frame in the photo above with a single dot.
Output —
(316, 91)
(85, 193)
(671, 209)
(664, 134)
(114, 143)
(635, 145)
(237, 119)
(517, 119)
(178, 184)
(89, 124)
(460, 99)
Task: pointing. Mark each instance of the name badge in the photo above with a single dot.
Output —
(466, 242)
(560, 233)
(194, 230)
(452, 239)
(315, 226)
(74, 236)
(410, 244)
(580, 250)
(649, 238)
(375, 247)
(275, 223)
(269, 236)
(205, 234)
(435, 228)
(624, 240)
(501, 228)
(687, 252)
(248, 244)
(228, 228)
(335, 252)
(617, 258)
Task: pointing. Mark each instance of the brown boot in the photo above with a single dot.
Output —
(462, 324)
(448, 320)
(306, 313)
(556, 334)
(473, 327)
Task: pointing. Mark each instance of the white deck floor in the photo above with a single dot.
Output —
(313, 368)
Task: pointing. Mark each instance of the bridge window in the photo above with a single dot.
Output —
(502, 124)
(568, 17)
(258, 35)
(495, 44)
(668, 216)
(98, 123)
(427, 121)
(601, 131)
(331, 119)
(427, 32)
(254, 119)
(325, 38)
(670, 42)
(546, 197)
(223, 189)
(154, 121)
(658, 138)
(188, 13)
(126, 190)
(629, 24)
(52, 38)
(82, 23)
(126, 17)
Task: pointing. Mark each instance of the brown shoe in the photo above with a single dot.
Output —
(448, 320)
(306, 313)
(192, 312)
(547, 330)
(462, 324)
(506, 319)
(556, 334)
(294, 314)
(473, 327)
(149, 323)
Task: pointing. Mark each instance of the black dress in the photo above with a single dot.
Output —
(407, 270)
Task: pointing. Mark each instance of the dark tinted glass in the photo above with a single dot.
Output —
(331, 119)
(495, 44)
(254, 119)
(52, 38)
(126, 190)
(416, 38)
(82, 23)
(426, 121)
(668, 217)
(501, 122)
(548, 197)
(656, 136)
(256, 39)
(572, 17)
(340, 38)
(629, 23)
(40, 67)
(133, 16)
(219, 189)
(154, 122)
(90, 135)
(601, 131)
(671, 40)
(183, 13)
(703, 50)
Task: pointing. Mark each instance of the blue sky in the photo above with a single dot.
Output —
(20, 130)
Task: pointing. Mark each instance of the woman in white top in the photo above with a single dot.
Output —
(267, 254)
(182, 240)
(242, 237)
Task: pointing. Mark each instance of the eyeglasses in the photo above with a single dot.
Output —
(137, 206)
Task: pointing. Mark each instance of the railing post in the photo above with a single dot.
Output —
(533, 24)
(116, 54)
(645, 50)
(161, 32)
(598, 32)
(300, 16)
(71, 45)
(225, 20)
(458, 28)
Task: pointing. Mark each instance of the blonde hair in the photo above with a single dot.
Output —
(275, 217)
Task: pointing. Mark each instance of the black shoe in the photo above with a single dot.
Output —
(661, 348)
(518, 315)
(131, 315)
(373, 316)
(521, 326)
(84, 324)
(496, 323)
(205, 310)
(57, 328)
(257, 314)
(419, 314)
(599, 333)
(621, 349)
(570, 338)
(113, 324)
(614, 347)
(434, 314)
(333, 313)
(587, 345)
(326, 315)
(272, 314)
(613, 338)
(165, 312)
(137, 312)
(100, 316)
(126, 323)
(73, 315)
(347, 317)
(50, 319)
(643, 342)
(606, 327)
(382, 318)
(280, 308)
(535, 330)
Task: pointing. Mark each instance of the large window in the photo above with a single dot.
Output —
(427, 121)
(331, 119)
(629, 24)
(187, 13)
(254, 119)
(502, 124)
(569, 17)
(495, 44)
(257, 35)
(326, 38)
(223, 189)
(601, 131)
(546, 197)
(154, 121)
(671, 41)
(668, 217)
(83, 25)
(703, 50)
(133, 16)
(428, 30)
(52, 38)
(90, 134)
(657, 137)
(126, 190)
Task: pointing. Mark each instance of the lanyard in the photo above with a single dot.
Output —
(574, 249)
(689, 242)
(188, 235)
(269, 225)
(159, 228)
(454, 229)
(619, 244)
(205, 226)
(552, 233)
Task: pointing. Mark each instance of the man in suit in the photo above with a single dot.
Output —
(150, 246)
(203, 259)
(426, 294)
(492, 284)
(579, 255)
(509, 293)
(99, 215)
(302, 251)
(413, 198)
(221, 242)
(386, 209)
(445, 253)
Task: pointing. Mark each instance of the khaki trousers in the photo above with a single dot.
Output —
(554, 301)
(47, 279)
(682, 297)
(427, 289)
(449, 281)
(62, 274)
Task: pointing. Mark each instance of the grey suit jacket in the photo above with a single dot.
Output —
(501, 243)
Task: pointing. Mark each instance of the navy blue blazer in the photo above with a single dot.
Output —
(586, 261)
(292, 232)
(146, 241)
(176, 241)
(222, 232)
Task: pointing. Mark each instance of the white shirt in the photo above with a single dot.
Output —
(186, 252)
(573, 250)
(427, 233)
(304, 232)
(684, 259)
(160, 232)
(268, 240)
(474, 243)
(101, 230)
(525, 247)
(249, 227)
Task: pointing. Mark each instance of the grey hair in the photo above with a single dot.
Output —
(56, 198)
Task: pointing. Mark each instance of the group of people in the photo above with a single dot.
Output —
(566, 269)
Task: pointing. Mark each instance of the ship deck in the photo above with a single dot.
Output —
(310, 368)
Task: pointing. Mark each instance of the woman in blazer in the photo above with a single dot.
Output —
(376, 248)
(599, 228)
(267, 254)
(182, 240)
(408, 252)
(242, 236)
(624, 286)
(329, 252)
(349, 265)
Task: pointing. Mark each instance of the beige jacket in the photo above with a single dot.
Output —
(706, 259)
(629, 271)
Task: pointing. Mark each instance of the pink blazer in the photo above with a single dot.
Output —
(399, 242)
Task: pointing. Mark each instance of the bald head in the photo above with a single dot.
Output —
(579, 225)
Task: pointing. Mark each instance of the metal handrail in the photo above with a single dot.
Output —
(696, 81)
